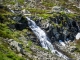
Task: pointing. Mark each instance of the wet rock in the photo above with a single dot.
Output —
(20, 26)
(17, 11)
(50, 32)
(61, 37)
(69, 28)
(17, 18)
(55, 31)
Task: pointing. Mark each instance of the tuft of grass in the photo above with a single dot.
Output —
(45, 16)
(5, 31)
(48, 4)
(37, 11)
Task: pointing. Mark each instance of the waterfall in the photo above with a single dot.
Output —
(78, 36)
(44, 40)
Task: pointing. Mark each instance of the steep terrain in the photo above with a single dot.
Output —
(59, 19)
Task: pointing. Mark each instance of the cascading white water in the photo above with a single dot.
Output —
(44, 40)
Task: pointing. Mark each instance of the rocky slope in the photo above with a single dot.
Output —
(18, 42)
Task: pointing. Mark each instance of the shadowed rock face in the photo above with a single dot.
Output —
(2, 10)
(44, 40)
(20, 26)
(68, 30)
(1, 20)
(1, 7)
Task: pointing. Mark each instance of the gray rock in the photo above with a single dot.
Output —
(17, 18)
(56, 9)
(73, 48)
(24, 12)
(16, 46)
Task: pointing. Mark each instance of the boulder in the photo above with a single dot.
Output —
(68, 11)
(17, 11)
(17, 18)
(56, 9)
(20, 26)
(16, 46)
(25, 12)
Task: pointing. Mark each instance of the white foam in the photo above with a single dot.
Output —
(78, 36)
(44, 40)
(61, 42)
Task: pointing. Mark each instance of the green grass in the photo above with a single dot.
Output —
(78, 45)
(28, 47)
(48, 4)
(6, 53)
(45, 16)
(37, 11)
(5, 31)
